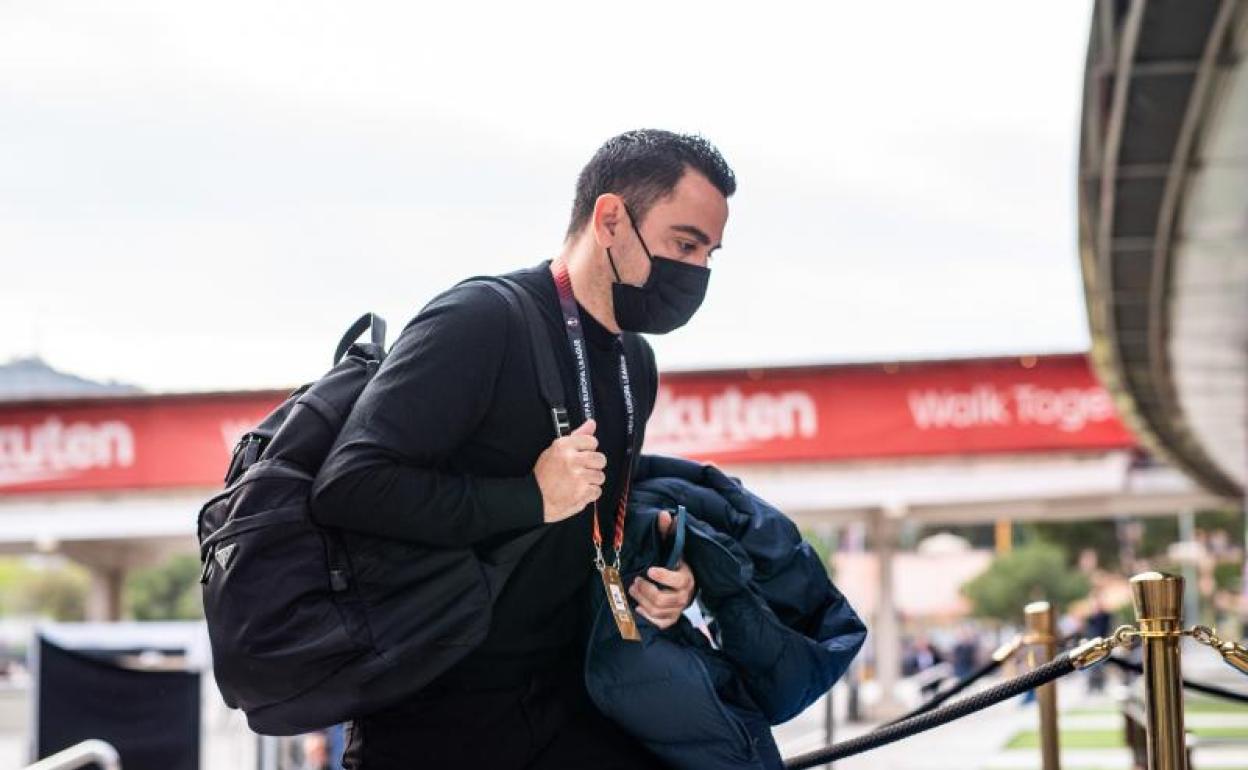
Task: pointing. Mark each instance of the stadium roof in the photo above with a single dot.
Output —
(1163, 219)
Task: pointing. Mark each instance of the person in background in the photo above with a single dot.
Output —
(966, 653)
(1097, 623)
(314, 748)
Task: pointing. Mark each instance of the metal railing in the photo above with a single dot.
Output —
(81, 755)
(1158, 601)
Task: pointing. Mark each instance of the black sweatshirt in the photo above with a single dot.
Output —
(440, 448)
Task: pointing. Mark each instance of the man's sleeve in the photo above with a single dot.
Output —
(386, 472)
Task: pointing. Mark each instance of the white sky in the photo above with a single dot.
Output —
(199, 196)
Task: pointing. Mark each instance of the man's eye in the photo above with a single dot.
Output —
(686, 247)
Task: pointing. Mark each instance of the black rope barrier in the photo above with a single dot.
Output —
(945, 695)
(1207, 689)
(1054, 669)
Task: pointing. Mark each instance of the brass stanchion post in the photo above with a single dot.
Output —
(1041, 648)
(1158, 600)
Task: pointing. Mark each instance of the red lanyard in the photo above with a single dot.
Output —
(580, 357)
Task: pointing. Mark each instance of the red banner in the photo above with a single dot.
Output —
(126, 443)
(1051, 403)
(1048, 403)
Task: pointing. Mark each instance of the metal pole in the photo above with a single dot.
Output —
(1042, 648)
(267, 756)
(1158, 600)
(829, 722)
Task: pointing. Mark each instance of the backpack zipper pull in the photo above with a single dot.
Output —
(207, 570)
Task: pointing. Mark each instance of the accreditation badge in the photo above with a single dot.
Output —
(618, 599)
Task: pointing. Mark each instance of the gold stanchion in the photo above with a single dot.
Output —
(1042, 648)
(1158, 600)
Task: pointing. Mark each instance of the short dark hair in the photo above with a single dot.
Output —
(643, 167)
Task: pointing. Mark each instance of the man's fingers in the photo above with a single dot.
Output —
(586, 428)
(595, 460)
(594, 477)
(661, 608)
(581, 443)
(654, 598)
(659, 620)
(675, 579)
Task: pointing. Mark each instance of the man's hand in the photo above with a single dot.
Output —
(570, 474)
(662, 606)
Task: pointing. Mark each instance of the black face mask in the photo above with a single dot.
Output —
(669, 298)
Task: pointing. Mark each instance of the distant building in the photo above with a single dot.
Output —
(31, 378)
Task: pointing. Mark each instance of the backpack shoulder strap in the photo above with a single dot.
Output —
(636, 355)
(524, 310)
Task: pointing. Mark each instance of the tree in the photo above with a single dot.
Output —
(1034, 572)
(167, 592)
(42, 587)
(1100, 535)
(823, 545)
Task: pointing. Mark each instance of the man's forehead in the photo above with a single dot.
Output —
(694, 202)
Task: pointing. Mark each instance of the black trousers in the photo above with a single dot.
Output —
(548, 723)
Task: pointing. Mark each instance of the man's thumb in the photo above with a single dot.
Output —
(665, 523)
(586, 428)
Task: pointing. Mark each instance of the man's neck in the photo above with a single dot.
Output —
(591, 288)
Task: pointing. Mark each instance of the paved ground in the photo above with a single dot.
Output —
(979, 742)
(969, 743)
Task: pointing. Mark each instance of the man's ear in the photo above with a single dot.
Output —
(607, 219)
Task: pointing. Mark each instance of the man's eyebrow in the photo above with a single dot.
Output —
(697, 233)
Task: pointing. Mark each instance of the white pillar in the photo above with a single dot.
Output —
(886, 628)
(1191, 577)
(109, 562)
(104, 599)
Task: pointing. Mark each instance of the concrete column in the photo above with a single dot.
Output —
(1191, 578)
(885, 627)
(109, 562)
(104, 599)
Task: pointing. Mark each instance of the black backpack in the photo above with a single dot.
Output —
(311, 626)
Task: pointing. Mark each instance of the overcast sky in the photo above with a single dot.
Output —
(199, 196)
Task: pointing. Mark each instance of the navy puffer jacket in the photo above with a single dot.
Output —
(784, 633)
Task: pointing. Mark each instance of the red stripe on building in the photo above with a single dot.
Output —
(766, 415)
(1050, 403)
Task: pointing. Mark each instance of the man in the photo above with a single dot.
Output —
(449, 445)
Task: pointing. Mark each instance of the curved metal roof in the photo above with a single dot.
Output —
(1155, 69)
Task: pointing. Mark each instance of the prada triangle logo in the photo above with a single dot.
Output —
(225, 553)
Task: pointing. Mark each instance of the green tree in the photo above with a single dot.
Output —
(43, 588)
(1074, 536)
(1037, 571)
(824, 546)
(166, 592)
